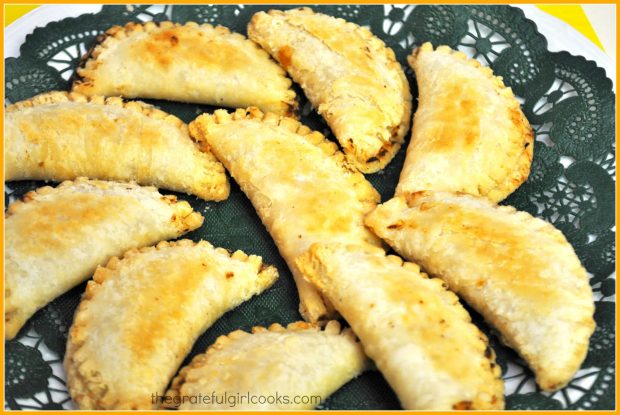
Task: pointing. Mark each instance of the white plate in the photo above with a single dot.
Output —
(560, 36)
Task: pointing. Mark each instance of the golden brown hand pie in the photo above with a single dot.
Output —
(299, 183)
(299, 364)
(350, 76)
(415, 330)
(518, 271)
(187, 63)
(141, 315)
(55, 238)
(469, 134)
(60, 136)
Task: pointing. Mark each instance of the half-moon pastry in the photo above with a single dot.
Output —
(469, 133)
(350, 76)
(292, 368)
(61, 136)
(518, 271)
(188, 63)
(141, 315)
(299, 183)
(56, 237)
(415, 330)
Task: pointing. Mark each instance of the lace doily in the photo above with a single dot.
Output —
(568, 100)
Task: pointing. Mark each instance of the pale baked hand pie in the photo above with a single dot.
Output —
(60, 136)
(518, 271)
(415, 330)
(299, 183)
(469, 133)
(350, 76)
(56, 237)
(188, 63)
(295, 363)
(141, 315)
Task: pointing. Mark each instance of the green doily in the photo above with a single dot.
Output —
(568, 100)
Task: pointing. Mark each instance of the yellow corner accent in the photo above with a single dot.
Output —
(13, 12)
(575, 16)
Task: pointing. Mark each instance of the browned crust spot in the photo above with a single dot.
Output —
(88, 63)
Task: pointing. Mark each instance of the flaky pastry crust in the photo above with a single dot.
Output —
(60, 136)
(56, 237)
(414, 329)
(518, 271)
(294, 361)
(302, 187)
(140, 316)
(184, 62)
(469, 133)
(349, 75)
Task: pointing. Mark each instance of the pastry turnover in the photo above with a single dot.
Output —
(55, 238)
(519, 272)
(60, 136)
(299, 183)
(188, 63)
(300, 360)
(350, 76)
(469, 133)
(141, 315)
(415, 330)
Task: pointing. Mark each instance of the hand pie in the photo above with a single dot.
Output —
(300, 360)
(519, 272)
(349, 76)
(188, 63)
(55, 238)
(415, 330)
(299, 183)
(60, 136)
(141, 315)
(469, 134)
